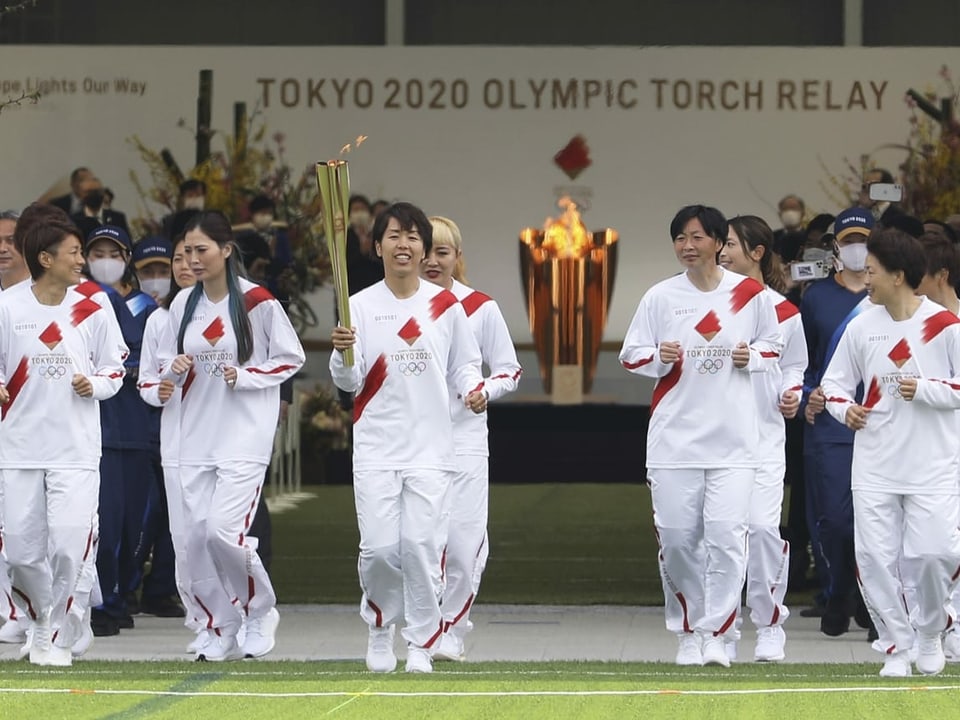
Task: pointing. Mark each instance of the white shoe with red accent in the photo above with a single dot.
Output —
(13, 632)
(261, 634)
(689, 653)
(418, 660)
(930, 659)
(770, 644)
(715, 651)
(450, 647)
(200, 641)
(380, 655)
(897, 665)
(221, 648)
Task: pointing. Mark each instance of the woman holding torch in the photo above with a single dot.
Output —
(411, 342)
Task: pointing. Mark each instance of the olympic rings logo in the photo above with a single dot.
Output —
(893, 390)
(214, 369)
(709, 365)
(52, 372)
(412, 368)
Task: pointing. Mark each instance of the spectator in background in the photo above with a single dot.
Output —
(151, 261)
(94, 214)
(827, 306)
(192, 198)
(263, 218)
(878, 208)
(791, 210)
(364, 268)
(942, 229)
(378, 207)
(72, 202)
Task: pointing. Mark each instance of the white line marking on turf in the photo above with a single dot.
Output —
(491, 694)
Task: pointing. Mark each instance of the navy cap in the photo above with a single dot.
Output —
(110, 232)
(853, 220)
(152, 249)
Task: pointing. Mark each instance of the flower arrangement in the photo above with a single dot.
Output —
(930, 174)
(249, 164)
(324, 424)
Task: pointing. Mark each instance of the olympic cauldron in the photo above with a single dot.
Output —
(568, 275)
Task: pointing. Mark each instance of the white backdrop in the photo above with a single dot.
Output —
(471, 132)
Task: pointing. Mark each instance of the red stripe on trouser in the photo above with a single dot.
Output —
(377, 611)
(86, 550)
(955, 575)
(443, 564)
(891, 650)
(727, 624)
(23, 596)
(776, 614)
(949, 623)
(683, 605)
(250, 511)
(433, 638)
(13, 608)
(209, 615)
(459, 616)
(251, 591)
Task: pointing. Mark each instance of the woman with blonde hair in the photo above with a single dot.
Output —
(465, 515)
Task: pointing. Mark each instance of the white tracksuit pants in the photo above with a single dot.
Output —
(48, 532)
(906, 536)
(219, 504)
(466, 550)
(399, 514)
(768, 554)
(195, 616)
(701, 521)
(8, 609)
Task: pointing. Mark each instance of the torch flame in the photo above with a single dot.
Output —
(566, 236)
(356, 144)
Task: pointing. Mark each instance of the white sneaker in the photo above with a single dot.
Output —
(930, 659)
(83, 643)
(28, 644)
(418, 660)
(770, 643)
(13, 632)
(200, 641)
(450, 647)
(896, 665)
(714, 652)
(689, 651)
(380, 655)
(220, 649)
(951, 646)
(261, 634)
(42, 650)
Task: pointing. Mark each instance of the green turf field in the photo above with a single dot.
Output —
(476, 690)
(559, 544)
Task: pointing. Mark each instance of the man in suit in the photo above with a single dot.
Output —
(93, 213)
(72, 202)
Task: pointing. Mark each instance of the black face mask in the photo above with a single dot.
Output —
(94, 200)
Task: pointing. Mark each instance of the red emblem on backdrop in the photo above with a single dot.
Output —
(574, 157)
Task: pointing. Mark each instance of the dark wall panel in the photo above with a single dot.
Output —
(615, 22)
(932, 23)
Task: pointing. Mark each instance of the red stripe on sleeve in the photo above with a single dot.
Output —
(373, 382)
(187, 383)
(440, 302)
(274, 371)
(935, 324)
(638, 363)
(88, 288)
(769, 354)
(743, 293)
(472, 302)
(666, 384)
(873, 394)
(15, 384)
(786, 310)
(82, 310)
(255, 296)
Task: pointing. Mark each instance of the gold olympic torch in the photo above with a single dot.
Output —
(333, 179)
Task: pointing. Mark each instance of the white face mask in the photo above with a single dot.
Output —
(360, 219)
(107, 270)
(854, 256)
(157, 288)
(791, 218)
(193, 203)
(262, 221)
